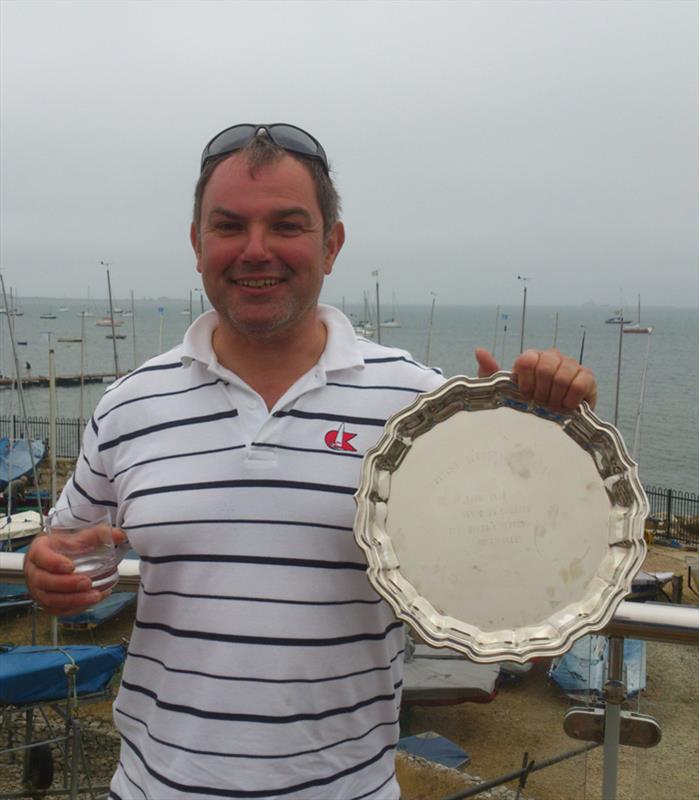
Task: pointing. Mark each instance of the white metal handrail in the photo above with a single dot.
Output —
(660, 622)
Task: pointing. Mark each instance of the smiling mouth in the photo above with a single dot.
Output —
(258, 284)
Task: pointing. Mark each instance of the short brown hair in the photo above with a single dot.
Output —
(261, 151)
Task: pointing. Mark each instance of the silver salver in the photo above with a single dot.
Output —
(497, 528)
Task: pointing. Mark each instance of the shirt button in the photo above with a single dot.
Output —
(252, 405)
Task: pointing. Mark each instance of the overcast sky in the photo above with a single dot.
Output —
(471, 141)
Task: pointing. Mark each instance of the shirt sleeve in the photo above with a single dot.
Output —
(91, 481)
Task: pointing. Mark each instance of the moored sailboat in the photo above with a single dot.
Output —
(18, 529)
(636, 327)
(392, 321)
(365, 326)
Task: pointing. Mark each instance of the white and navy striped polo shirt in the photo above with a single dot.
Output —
(262, 664)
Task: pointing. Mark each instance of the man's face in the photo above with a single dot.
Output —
(261, 250)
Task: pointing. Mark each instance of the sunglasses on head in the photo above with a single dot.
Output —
(289, 137)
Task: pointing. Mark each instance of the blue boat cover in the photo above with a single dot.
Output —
(582, 671)
(13, 597)
(8, 590)
(17, 461)
(436, 748)
(32, 494)
(34, 674)
(103, 611)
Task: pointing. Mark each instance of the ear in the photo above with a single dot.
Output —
(333, 245)
(196, 245)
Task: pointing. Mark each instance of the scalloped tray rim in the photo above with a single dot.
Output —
(472, 644)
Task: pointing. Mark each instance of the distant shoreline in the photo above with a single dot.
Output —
(590, 304)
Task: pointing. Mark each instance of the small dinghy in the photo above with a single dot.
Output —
(19, 529)
(16, 458)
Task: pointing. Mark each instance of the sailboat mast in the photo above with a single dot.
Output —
(369, 325)
(504, 341)
(636, 449)
(111, 319)
(618, 369)
(495, 331)
(378, 309)
(52, 422)
(429, 331)
(161, 314)
(20, 394)
(524, 310)
(52, 451)
(133, 330)
(82, 375)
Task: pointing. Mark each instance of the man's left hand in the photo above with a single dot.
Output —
(548, 377)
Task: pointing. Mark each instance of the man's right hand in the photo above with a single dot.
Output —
(52, 582)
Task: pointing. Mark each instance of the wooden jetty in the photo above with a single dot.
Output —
(34, 381)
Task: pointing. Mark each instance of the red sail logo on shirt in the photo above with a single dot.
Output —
(339, 439)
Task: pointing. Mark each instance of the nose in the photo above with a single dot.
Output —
(256, 248)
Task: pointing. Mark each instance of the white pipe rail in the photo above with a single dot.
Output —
(660, 622)
(12, 571)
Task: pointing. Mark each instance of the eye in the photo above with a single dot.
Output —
(287, 227)
(227, 226)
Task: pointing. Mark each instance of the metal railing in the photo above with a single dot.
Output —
(68, 432)
(674, 516)
(660, 622)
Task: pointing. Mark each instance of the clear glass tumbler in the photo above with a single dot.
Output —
(83, 533)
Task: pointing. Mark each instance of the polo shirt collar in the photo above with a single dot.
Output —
(341, 347)
(196, 345)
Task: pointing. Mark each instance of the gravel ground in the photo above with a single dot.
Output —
(423, 780)
(100, 746)
(528, 716)
(525, 716)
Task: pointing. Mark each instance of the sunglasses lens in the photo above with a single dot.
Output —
(298, 141)
(229, 140)
(286, 136)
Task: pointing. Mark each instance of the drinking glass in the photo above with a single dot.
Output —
(83, 532)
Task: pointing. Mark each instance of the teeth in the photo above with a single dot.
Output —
(259, 284)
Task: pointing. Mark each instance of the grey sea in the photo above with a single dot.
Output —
(668, 452)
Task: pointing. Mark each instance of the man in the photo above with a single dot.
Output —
(262, 664)
(16, 489)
